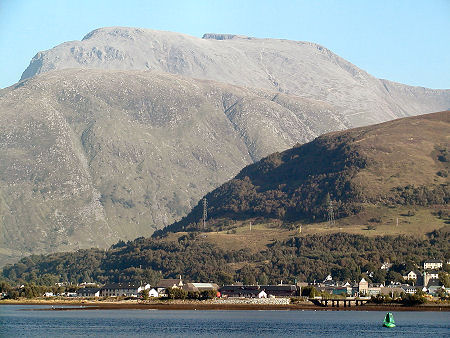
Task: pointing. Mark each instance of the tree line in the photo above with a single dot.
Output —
(301, 258)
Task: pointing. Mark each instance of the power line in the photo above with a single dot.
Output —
(205, 212)
(331, 220)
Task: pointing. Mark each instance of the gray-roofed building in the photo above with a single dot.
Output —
(247, 291)
(88, 292)
(280, 290)
(170, 283)
(254, 291)
(199, 287)
(122, 289)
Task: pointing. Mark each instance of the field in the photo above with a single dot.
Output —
(372, 222)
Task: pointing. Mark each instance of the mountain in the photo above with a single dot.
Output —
(121, 133)
(404, 162)
(299, 68)
(92, 156)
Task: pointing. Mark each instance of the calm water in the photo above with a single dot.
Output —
(15, 322)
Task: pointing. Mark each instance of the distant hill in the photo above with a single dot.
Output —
(92, 156)
(292, 67)
(396, 163)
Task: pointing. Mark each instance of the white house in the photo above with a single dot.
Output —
(262, 294)
(153, 293)
(411, 276)
(409, 289)
(432, 264)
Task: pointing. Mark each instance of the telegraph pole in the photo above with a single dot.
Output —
(205, 212)
(330, 213)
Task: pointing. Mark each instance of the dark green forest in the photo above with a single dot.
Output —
(309, 258)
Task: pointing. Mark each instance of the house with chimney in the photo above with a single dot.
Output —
(169, 283)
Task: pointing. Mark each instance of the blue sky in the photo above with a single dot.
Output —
(406, 41)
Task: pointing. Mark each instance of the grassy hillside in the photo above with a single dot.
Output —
(374, 177)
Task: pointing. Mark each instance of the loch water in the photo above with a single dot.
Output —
(36, 321)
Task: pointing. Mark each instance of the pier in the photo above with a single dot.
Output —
(339, 302)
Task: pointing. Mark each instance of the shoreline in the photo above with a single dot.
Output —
(201, 305)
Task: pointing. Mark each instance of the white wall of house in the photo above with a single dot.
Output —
(432, 265)
(412, 275)
(153, 293)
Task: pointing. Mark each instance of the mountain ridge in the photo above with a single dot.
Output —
(300, 68)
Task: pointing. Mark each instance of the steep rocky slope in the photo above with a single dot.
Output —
(300, 68)
(396, 163)
(91, 156)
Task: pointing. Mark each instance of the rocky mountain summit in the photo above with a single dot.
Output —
(299, 68)
(91, 156)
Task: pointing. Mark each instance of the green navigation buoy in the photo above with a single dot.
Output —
(389, 320)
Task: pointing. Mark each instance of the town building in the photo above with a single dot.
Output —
(429, 276)
(410, 289)
(153, 293)
(170, 283)
(88, 292)
(412, 275)
(363, 287)
(285, 290)
(122, 289)
(432, 264)
(246, 291)
(391, 290)
(258, 291)
(200, 287)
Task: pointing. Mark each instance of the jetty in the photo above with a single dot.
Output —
(339, 302)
